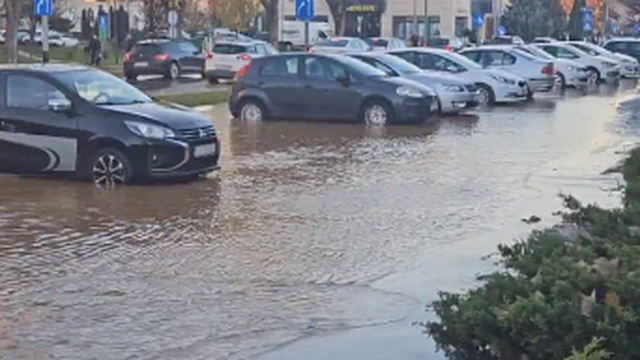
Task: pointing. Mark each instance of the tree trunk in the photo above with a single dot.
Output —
(272, 19)
(12, 13)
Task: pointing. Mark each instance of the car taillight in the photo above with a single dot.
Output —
(310, 50)
(242, 71)
(547, 69)
(244, 57)
(162, 57)
(209, 55)
(448, 47)
(127, 57)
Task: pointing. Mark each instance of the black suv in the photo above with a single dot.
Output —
(327, 87)
(627, 46)
(57, 119)
(170, 58)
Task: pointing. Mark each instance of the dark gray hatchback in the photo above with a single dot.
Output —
(327, 87)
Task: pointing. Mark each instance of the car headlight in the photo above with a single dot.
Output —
(149, 131)
(608, 64)
(453, 88)
(572, 68)
(408, 91)
(503, 80)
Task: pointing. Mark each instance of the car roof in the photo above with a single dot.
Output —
(241, 42)
(620, 39)
(44, 68)
(421, 49)
(492, 47)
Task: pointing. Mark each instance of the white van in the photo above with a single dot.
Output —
(293, 33)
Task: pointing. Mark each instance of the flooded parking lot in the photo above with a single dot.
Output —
(308, 229)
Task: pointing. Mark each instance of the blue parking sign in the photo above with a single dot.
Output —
(587, 19)
(477, 21)
(42, 7)
(501, 31)
(305, 9)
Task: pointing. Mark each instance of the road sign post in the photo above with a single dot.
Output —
(172, 19)
(44, 9)
(305, 11)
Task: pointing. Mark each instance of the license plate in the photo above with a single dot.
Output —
(141, 64)
(204, 150)
(224, 67)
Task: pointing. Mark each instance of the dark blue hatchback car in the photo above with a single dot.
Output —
(327, 87)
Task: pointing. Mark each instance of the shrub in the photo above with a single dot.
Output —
(556, 291)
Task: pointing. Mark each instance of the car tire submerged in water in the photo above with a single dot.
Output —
(376, 112)
(251, 110)
(486, 97)
(109, 167)
(173, 72)
(560, 82)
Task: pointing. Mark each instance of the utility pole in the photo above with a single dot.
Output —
(415, 18)
(427, 23)
(497, 12)
(45, 39)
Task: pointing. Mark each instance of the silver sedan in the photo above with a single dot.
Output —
(454, 95)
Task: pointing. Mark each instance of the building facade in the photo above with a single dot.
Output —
(396, 18)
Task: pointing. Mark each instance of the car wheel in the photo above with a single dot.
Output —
(251, 110)
(173, 72)
(376, 113)
(212, 80)
(559, 82)
(486, 96)
(110, 167)
(593, 76)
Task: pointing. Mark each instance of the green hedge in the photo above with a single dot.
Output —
(573, 287)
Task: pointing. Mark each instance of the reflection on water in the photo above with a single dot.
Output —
(283, 246)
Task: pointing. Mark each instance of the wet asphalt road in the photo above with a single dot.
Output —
(316, 241)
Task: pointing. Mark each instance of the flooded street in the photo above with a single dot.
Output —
(310, 235)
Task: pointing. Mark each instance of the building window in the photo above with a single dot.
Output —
(461, 24)
(403, 27)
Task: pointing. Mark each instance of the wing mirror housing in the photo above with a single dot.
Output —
(59, 105)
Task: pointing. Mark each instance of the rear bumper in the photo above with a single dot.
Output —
(510, 93)
(541, 85)
(220, 74)
(153, 68)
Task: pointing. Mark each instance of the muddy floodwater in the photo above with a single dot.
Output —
(311, 234)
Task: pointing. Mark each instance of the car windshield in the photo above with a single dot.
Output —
(101, 88)
(360, 67)
(591, 49)
(333, 43)
(403, 67)
(525, 54)
(464, 61)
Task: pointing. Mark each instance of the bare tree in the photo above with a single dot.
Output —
(338, 10)
(13, 10)
(196, 16)
(271, 18)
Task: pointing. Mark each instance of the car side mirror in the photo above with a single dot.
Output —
(59, 105)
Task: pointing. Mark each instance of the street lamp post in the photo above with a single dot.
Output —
(427, 24)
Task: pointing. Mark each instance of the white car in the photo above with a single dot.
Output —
(340, 45)
(629, 67)
(599, 68)
(494, 86)
(568, 72)
(226, 58)
(57, 39)
(538, 73)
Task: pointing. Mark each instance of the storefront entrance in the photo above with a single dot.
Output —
(363, 21)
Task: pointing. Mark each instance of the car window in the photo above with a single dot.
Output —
(187, 47)
(28, 92)
(101, 88)
(317, 69)
(634, 47)
(552, 50)
(259, 49)
(586, 49)
(474, 56)
(615, 46)
(563, 53)
(280, 66)
(377, 64)
(409, 56)
(230, 49)
(145, 49)
(377, 42)
(270, 49)
(443, 64)
(335, 42)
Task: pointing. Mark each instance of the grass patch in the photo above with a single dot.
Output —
(75, 54)
(197, 99)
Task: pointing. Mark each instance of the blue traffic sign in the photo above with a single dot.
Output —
(613, 26)
(42, 7)
(305, 9)
(501, 30)
(636, 29)
(477, 20)
(587, 19)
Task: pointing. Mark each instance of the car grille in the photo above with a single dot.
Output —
(471, 87)
(200, 133)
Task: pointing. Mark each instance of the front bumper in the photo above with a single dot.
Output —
(510, 93)
(629, 70)
(410, 110)
(181, 157)
(455, 102)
